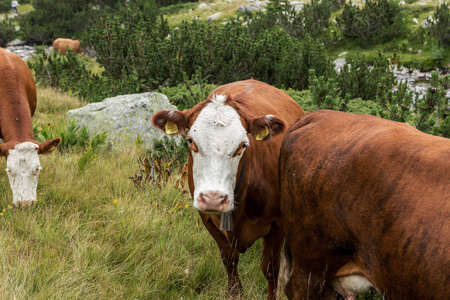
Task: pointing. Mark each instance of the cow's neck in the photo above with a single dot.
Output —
(15, 121)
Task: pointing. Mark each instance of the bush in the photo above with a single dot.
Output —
(50, 20)
(7, 32)
(127, 45)
(172, 2)
(377, 22)
(360, 77)
(5, 6)
(440, 24)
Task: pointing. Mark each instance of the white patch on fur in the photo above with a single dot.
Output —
(217, 132)
(351, 286)
(23, 168)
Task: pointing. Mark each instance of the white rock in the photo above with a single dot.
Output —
(214, 17)
(123, 118)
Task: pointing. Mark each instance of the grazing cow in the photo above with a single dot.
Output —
(61, 45)
(234, 141)
(365, 202)
(17, 106)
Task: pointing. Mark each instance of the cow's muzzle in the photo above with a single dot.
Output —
(213, 202)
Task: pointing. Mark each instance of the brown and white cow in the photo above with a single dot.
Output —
(365, 202)
(234, 141)
(61, 45)
(17, 106)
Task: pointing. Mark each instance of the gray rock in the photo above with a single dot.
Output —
(15, 42)
(427, 23)
(214, 17)
(251, 7)
(202, 5)
(123, 118)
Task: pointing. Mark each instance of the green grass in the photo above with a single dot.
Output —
(76, 243)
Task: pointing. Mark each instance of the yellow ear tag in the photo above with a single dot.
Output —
(171, 128)
(262, 134)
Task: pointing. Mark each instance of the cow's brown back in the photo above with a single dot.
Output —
(61, 44)
(376, 192)
(17, 98)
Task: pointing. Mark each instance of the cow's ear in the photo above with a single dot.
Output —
(263, 128)
(49, 146)
(171, 122)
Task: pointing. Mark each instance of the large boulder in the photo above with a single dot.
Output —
(125, 119)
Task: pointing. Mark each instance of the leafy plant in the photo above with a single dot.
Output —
(360, 77)
(378, 21)
(440, 24)
(7, 32)
(433, 109)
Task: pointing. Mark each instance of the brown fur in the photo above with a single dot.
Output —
(18, 104)
(357, 188)
(257, 213)
(61, 45)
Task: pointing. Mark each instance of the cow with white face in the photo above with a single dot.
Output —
(234, 140)
(217, 140)
(17, 106)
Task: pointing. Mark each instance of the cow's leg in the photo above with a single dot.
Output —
(230, 258)
(270, 260)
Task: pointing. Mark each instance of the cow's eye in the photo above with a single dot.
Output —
(10, 172)
(36, 171)
(189, 140)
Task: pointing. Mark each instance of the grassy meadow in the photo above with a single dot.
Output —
(94, 235)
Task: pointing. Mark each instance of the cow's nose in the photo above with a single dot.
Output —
(213, 201)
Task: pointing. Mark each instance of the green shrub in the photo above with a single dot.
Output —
(172, 2)
(7, 32)
(156, 56)
(440, 24)
(187, 94)
(5, 6)
(360, 77)
(50, 20)
(432, 110)
(377, 22)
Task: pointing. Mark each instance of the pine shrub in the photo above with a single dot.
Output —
(440, 24)
(7, 32)
(377, 22)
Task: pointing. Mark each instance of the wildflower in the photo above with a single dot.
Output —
(187, 205)
(155, 203)
(115, 201)
(35, 200)
(4, 209)
(9, 206)
(1, 214)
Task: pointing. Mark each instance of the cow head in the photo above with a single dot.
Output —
(23, 167)
(218, 137)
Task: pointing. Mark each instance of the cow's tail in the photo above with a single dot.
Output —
(285, 272)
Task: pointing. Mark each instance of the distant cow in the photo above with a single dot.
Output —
(365, 202)
(17, 105)
(61, 45)
(234, 140)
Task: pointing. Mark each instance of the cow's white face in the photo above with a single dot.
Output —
(217, 141)
(22, 167)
